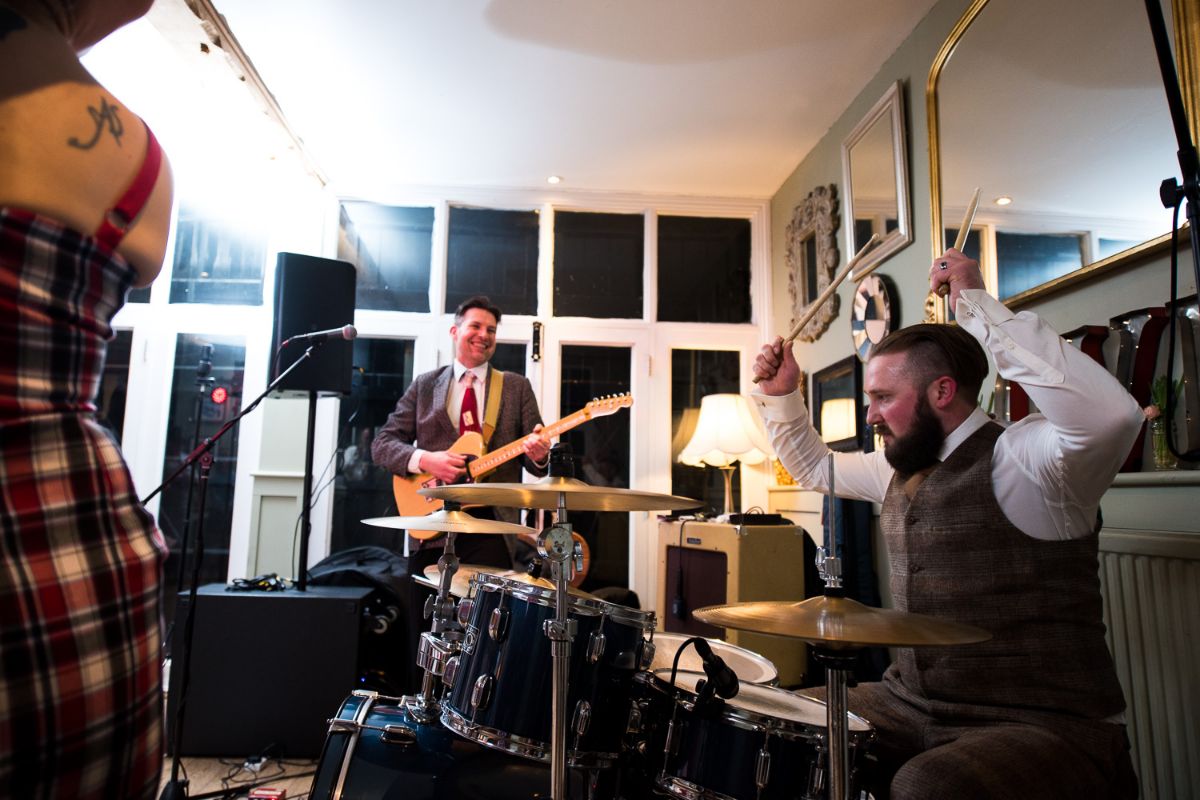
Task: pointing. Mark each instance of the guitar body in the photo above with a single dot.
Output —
(405, 487)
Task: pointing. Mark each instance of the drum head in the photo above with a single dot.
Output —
(768, 703)
(749, 666)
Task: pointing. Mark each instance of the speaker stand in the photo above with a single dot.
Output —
(306, 496)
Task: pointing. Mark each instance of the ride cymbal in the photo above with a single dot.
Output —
(449, 522)
(460, 584)
(839, 622)
(545, 493)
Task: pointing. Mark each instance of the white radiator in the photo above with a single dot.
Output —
(1151, 587)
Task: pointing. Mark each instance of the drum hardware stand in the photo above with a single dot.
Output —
(557, 545)
(837, 662)
(175, 789)
(445, 628)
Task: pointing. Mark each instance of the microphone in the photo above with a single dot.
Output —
(721, 678)
(347, 332)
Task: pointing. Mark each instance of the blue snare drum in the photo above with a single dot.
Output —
(376, 750)
(501, 682)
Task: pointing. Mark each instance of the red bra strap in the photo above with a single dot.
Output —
(118, 218)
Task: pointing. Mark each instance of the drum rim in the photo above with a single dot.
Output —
(505, 742)
(754, 720)
(536, 595)
(688, 790)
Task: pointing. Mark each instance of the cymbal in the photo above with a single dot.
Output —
(545, 493)
(839, 622)
(448, 521)
(460, 584)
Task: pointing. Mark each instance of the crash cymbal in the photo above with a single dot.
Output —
(460, 584)
(839, 622)
(449, 522)
(545, 493)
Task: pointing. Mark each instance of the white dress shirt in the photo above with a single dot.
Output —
(457, 390)
(1049, 470)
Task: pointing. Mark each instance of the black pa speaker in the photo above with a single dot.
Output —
(313, 294)
(268, 669)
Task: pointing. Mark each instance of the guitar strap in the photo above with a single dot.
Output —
(492, 409)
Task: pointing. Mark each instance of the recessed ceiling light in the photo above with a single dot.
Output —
(554, 179)
(1003, 200)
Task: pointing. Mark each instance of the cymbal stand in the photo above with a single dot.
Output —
(837, 663)
(556, 545)
(445, 632)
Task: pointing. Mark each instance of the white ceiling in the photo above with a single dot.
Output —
(700, 97)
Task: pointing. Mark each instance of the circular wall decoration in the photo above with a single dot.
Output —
(871, 318)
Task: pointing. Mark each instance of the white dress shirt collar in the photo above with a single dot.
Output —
(968, 426)
(480, 372)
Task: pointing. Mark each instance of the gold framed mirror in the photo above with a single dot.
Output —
(1060, 107)
(875, 176)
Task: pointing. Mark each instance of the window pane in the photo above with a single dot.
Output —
(1024, 260)
(190, 392)
(114, 385)
(601, 447)
(383, 370)
(139, 295)
(703, 269)
(598, 261)
(217, 261)
(510, 357)
(391, 247)
(695, 374)
(494, 253)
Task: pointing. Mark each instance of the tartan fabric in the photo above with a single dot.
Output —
(80, 559)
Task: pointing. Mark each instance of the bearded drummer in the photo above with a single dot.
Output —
(990, 526)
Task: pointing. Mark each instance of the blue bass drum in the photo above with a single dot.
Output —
(376, 750)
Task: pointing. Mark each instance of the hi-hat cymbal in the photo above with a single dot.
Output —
(449, 522)
(839, 622)
(460, 584)
(545, 493)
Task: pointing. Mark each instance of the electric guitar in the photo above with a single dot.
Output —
(405, 487)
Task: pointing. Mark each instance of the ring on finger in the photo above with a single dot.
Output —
(944, 265)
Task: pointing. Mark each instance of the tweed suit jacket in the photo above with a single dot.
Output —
(420, 420)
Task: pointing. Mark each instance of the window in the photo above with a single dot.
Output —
(391, 247)
(703, 269)
(383, 371)
(494, 253)
(217, 261)
(695, 374)
(114, 385)
(598, 262)
(195, 415)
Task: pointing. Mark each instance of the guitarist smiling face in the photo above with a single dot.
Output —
(474, 335)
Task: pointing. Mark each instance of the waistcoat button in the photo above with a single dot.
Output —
(910, 520)
(914, 568)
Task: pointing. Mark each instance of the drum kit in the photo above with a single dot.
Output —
(623, 712)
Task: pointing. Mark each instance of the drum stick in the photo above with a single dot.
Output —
(964, 231)
(815, 306)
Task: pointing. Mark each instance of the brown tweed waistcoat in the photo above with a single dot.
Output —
(955, 555)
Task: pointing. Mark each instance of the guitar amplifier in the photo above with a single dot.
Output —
(268, 669)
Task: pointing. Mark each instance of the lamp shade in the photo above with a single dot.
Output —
(728, 430)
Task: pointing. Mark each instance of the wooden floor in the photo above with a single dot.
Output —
(206, 775)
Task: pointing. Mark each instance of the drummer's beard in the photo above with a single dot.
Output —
(919, 448)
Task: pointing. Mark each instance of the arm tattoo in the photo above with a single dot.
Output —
(105, 116)
(10, 21)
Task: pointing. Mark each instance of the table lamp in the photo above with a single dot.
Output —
(727, 431)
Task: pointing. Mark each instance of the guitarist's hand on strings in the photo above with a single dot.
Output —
(444, 465)
(535, 447)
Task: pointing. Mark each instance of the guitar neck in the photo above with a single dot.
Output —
(489, 461)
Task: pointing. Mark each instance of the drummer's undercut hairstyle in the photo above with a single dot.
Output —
(478, 301)
(937, 350)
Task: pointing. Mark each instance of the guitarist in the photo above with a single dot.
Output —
(436, 410)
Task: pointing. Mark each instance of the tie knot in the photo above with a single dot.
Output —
(468, 377)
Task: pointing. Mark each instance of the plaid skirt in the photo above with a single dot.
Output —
(80, 563)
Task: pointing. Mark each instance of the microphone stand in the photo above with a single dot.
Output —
(176, 789)
(203, 382)
(1172, 193)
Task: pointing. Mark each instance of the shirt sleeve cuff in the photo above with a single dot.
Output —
(414, 462)
(780, 408)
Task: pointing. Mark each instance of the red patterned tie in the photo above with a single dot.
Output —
(468, 419)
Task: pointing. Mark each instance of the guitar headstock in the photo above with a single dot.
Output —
(603, 406)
